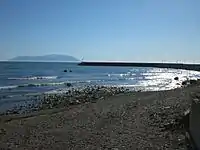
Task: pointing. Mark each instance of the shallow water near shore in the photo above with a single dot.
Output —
(20, 81)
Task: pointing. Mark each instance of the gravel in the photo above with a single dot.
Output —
(120, 120)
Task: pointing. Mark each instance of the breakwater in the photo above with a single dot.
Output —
(195, 67)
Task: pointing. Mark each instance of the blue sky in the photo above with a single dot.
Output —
(127, 30)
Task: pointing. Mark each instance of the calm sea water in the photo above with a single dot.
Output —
(19, 79)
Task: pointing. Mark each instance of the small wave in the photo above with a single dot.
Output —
(67, 84)
(126, 85)
(33, 85)
(34, 78)
(128, 74)
(42, 84)
(8, 87)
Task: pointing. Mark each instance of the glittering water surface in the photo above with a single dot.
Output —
(19, 80)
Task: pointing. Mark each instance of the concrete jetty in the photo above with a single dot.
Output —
(195, 67)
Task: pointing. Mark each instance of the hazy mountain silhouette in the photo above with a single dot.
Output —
(53, 57)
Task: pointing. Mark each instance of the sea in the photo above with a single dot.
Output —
(19, 80)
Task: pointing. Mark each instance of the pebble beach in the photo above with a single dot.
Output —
(101, 117)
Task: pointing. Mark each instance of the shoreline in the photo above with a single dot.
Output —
(65, 98)
(75, 95)
(123, 120)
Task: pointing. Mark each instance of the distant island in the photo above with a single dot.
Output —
(46, 58)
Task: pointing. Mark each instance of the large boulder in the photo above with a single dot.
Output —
(68, 84)
(184, 83)
(176, 78)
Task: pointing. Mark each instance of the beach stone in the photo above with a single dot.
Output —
(193, 82)
(72, 96)
(68, 84)
(184, 83)
(176, 78)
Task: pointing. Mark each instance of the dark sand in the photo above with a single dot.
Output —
(134, 120)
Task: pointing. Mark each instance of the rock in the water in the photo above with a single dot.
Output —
(193, 82)
(176, 78)
(67, 70)
(68, 84)
(184, 83)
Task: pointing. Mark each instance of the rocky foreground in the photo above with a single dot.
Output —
(101, 118)
(65, 98)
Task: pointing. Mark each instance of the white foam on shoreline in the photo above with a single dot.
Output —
(34, 78)
(31, 85)
(156, 79)
(163, 79)
(8, 87)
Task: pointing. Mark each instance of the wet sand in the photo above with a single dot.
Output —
(130, 120)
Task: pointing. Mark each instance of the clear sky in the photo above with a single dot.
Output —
(127, 30)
